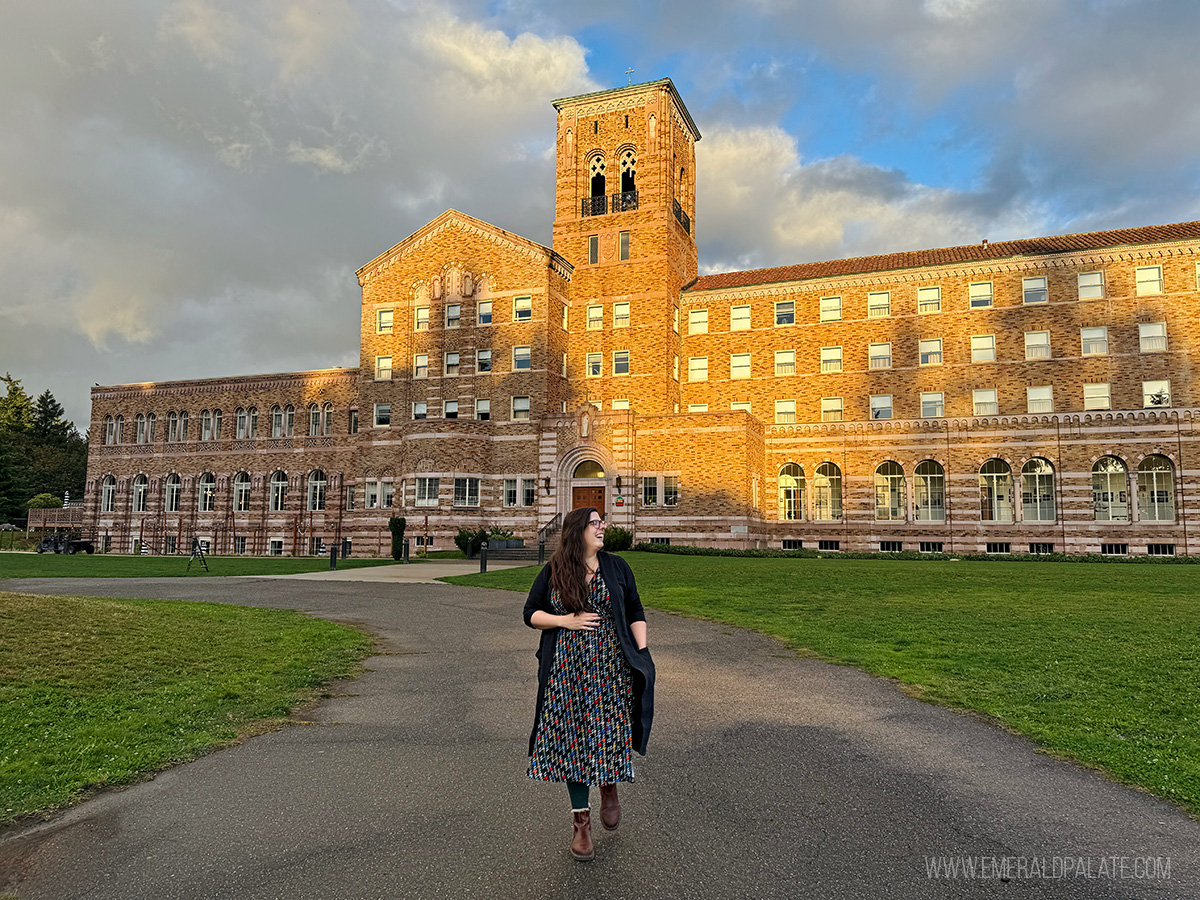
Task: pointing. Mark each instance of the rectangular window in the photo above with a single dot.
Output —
(933, 405)
(929, 299)
(697, 407)
(620, 362)
(1037, 345)
(450, 364)
(739, 318)
(1091, 285)
(450, 409)
(372, 495)
(831, 359)
(421, 320)
(620, 315)
(829, 546)
(421, 365)
(1033, 290)
(564, 365)
(1160, 549)
(620, 403)
(483, 313)
(881, 406)
(593, 249)
(383, 321)
(743, 405)
(623, 245)
(649, 490)
(785, 362)
(983, 348)
(831, 309)
(675, 319)
(1039, 548)
(483, 361)
(595, 365)
(522, 309)
(1149, 280)
(521, 359)
(453, 314)
(483, 410)
(1094, 341)
(520, 408)
(986, 402)
(739, 365)
(595, 318)
(879, 356)
(931, 352)
(1156, 393)
(785, 312)
(891, 546)
(1040, 399)
(930, 546)
(999, 547)
(565, 317)
(785, 412)
(528, 491)
(697, 321)
(420, 409)
(979, 295)
(670, 490)
(466, 492)
(383, 415)
(1152, 337)
(383, 368)
(510, 492)
(276, 546)
(675, 368)
(697, 368)
(1097, 396)
(792, 544)
(239, 546)
(831, 409)
(879, 304)
(1114, 549)
(427, 491)
(352, 426)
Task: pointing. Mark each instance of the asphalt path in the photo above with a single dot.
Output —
(768, 775)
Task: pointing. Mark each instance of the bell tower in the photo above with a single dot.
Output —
(625, 209)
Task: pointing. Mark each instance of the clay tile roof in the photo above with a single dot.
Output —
(1063, 243)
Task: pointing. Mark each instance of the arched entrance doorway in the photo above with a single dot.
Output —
(587, 485)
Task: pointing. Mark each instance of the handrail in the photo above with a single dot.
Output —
(550, 528)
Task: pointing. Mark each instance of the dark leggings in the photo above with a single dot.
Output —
(579, 794)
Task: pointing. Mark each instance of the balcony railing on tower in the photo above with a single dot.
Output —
(682, 216)
(595, 206)
(625, 201)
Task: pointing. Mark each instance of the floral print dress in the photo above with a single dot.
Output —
(583, 733)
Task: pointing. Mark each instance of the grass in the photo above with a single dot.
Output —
(52, 565)
(97, 692)
(1097, 663)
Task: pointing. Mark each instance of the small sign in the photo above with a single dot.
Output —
(620, 500)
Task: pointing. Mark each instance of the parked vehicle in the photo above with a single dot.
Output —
(66, 541)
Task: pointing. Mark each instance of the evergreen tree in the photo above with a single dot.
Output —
(48, 425)
(16, 407)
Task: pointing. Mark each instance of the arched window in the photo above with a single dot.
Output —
(173, 490)
(151, 421)
(1156, 489)
(241, 492)
(889, 492)
(276, 421)
(995, 492)
(628, 172)
(278, 491)
(791, 492)
(1110, 490)
(239, 425)
(827, 493)
(110, 430)
(120, 437)
(183, 423)
(141, 490)
(172, 426)
(327, 428)
(206, 492)
(252, 426)
(589, 468)
(316, 490)
(289, 420)
(929, 491)
(314, 420)
(139, 433)
(1037, 491)
(205, 425)
(216, 432)
(108, 494)
(596, 169)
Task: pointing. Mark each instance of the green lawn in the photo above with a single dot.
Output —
(97, 692)
(51, 565)
(1098, 663)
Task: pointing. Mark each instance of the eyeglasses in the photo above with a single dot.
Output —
(598, 523)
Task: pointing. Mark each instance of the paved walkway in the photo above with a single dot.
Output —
(769, 776)
(413, 573)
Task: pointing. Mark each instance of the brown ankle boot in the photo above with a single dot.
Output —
(581, 837)
(610, 807)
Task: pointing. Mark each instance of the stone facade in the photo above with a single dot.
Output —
(1019, 396)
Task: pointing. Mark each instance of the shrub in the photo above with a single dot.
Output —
(500, 534)
(44, 501)
(469, 540)
(396, 525)
(617, 539)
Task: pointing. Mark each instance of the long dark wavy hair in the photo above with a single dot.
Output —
(568, 574)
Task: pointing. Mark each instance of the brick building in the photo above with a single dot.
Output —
(1017, 396)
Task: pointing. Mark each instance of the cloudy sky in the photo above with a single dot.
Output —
(187, 186)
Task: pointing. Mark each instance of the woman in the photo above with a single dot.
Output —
(595, 697)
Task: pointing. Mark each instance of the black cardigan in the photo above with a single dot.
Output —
(627, 609)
